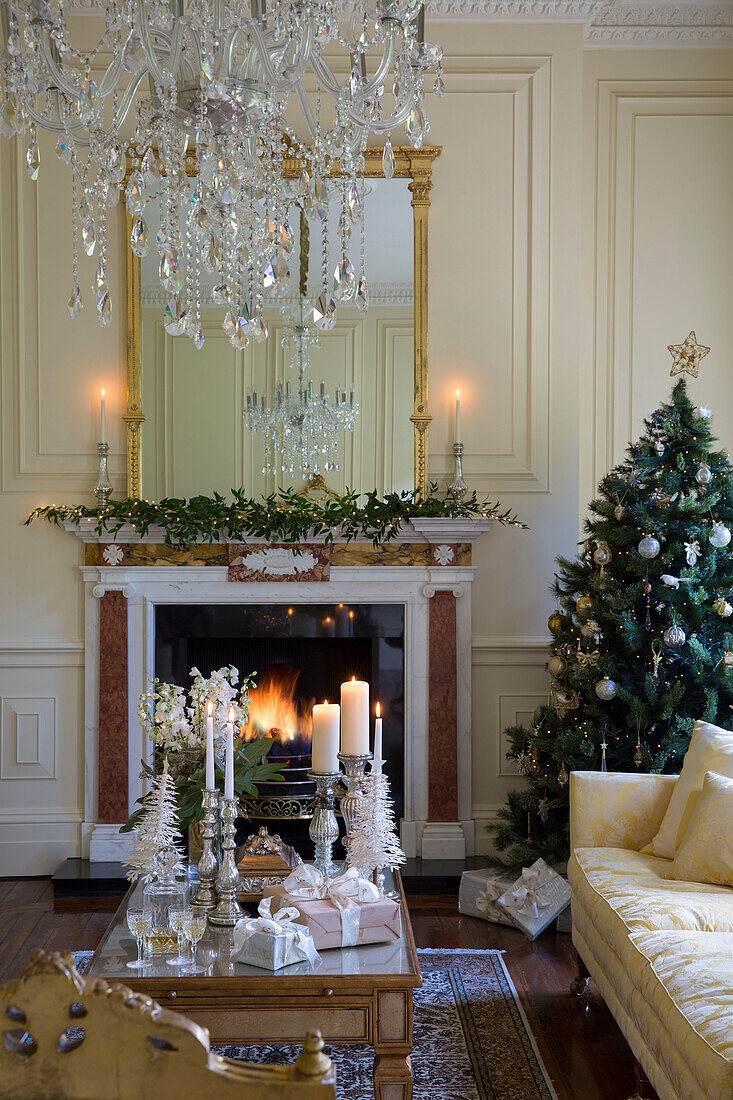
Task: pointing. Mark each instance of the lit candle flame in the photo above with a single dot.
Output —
(379, 710)
(231, 714)
(209, 708)
(458, 395)
(103, 391)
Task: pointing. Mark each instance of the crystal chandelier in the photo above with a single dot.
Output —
(213, 93)
(301, 429)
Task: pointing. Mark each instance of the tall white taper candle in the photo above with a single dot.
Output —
(355, 718)
(210, 781)
(458, 417)
(325, 746)
(378, 761)
(229, 758)
(102, 421)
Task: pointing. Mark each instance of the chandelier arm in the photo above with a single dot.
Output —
(159, 74)
(111, 78)
(126, 102)
(306, 108)
(387, 124)
(383, 67)
(306, 48)
(56, 71)
(270, 72)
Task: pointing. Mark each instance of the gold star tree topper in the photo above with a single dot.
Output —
(686, 356)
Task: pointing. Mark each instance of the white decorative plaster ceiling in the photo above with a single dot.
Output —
(606, 22)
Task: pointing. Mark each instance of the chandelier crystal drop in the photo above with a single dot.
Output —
(213, 94)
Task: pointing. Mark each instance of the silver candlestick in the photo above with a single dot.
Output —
(206, 897)
(458, 486)
(103, 488)
(354, 767)
(324, 828)
(228, 911)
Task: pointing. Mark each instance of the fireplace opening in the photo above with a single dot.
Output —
(301, 654)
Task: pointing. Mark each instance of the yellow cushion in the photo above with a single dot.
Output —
(706, 851)
(711, 750)
(626, 891)
(689, 984)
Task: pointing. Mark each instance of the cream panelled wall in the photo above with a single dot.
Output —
(581, 220)
(186, 447)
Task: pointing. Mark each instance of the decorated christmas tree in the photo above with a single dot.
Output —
(643, 628)
(158, 828)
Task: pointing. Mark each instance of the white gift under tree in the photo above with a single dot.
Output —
(158, 828)
(374, 841)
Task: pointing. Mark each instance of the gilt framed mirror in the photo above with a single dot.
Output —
(186, 433)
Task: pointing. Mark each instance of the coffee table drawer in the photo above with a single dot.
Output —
(337, 1023)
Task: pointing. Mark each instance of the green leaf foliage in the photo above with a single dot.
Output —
(618, 631)
(285, 516)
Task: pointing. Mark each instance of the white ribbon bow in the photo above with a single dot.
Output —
(307, 883)
(490, 893)
(278, 924)
(526, 899)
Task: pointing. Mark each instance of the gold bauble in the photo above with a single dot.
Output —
(585, 603)
(557, 622)
(556, 666)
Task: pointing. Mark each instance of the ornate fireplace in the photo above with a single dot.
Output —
(410, 635)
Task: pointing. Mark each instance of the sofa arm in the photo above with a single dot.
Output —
(615, 809)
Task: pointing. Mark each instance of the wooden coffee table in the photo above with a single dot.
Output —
(357, 994)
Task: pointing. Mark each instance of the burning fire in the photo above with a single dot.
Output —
(276, 711)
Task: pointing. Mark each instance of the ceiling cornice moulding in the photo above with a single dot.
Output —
(605, 22)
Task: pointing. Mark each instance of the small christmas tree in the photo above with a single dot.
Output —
(642, 634)
(158, 827)
(374, 841)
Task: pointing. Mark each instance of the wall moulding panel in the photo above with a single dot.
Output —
(644, 296)
(513, 210)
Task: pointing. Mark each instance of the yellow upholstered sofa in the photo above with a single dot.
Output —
(659, 950)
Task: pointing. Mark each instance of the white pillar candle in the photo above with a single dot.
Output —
(458, 417)
(210, 780)
(102, 422)
(229, 758)
(355, 718)
(378, 761)
(325, 743)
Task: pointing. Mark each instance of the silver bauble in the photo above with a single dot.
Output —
(649, 547)
(704, 474)
(606, 689)
(601, 554)
(619, 511)
(719, 535)
(659, 448)
(674, 636)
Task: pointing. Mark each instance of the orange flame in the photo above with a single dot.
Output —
(276, 710)
(379, 710)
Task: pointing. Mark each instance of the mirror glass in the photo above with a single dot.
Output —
(194, 439)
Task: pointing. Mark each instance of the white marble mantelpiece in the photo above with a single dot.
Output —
(412, 585)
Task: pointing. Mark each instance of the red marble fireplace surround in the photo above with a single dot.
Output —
(430, 570)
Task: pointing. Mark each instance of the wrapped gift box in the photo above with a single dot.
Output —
(537, 897)
(479, 892)
(379, 921)
(273, 941)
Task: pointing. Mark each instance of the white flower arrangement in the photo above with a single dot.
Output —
(176, 725)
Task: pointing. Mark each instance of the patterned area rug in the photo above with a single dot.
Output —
(472, 1040)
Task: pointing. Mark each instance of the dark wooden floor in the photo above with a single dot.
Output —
(585, 1053)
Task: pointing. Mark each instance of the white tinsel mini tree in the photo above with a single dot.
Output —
(157, 829)
(374, 842)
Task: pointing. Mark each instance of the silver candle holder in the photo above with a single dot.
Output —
(103, 488)
(458, 486)
(354, 768)
(228, 910)
(207, 866)
(324, 828)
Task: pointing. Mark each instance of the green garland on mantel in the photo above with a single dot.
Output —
(285, 516)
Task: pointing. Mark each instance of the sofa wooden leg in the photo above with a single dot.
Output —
(643, 1084)
(579, 982)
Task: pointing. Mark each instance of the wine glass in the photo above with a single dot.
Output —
(175, 921)
(139, 924)
(194, 926)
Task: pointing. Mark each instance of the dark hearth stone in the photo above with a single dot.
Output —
(437, 876)
(79, 878)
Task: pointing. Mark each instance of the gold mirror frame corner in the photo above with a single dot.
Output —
(413, 164)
